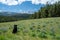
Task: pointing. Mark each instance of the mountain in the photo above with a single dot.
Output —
(13, 16)
(7, 13)
(16, 15)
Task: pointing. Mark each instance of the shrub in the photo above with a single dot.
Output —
(52, 33)
(38, 27)
(33, 35)
(57, 22)
(38, 30)
(32, 28)
(58, 38)
(42, 35)
(44, 25)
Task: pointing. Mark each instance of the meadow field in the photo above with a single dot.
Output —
(34, 29)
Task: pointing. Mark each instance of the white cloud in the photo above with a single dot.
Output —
(35, 1)
(16, 2)
(23, 11)
(20, 1)
(9, 2)
(43, 1)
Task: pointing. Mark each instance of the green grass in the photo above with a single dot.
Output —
(34, 29)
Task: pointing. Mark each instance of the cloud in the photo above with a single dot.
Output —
(43, 1)
(16, 2)
(9, 2)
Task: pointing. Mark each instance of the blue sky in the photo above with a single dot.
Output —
(23, 6)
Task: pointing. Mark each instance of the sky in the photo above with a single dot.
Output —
(23, 6)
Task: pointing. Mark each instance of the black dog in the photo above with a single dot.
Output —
(15, 29)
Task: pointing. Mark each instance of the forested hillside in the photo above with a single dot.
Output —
(49, 10)
(5, 17)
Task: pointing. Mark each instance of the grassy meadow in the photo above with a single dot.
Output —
(34, 29)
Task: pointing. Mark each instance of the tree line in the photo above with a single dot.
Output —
(49, 10)
(14, 17)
